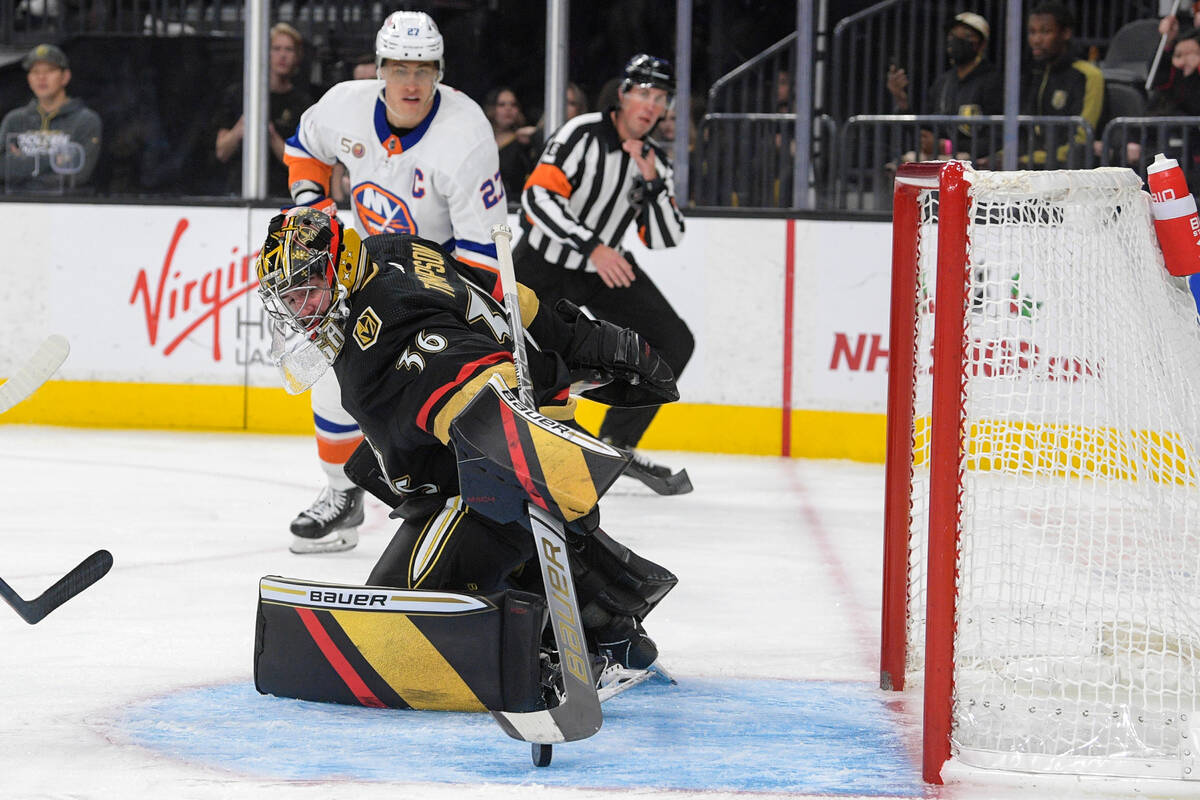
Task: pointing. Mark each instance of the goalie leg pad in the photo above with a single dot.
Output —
(610, 575)
(454, 548)
(398, 648)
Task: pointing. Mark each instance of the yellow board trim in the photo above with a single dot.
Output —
(746, 430)
(403, 657)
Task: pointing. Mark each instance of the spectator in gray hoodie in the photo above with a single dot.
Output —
(52, 143)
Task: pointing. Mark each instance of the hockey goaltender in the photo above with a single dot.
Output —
(423, 354)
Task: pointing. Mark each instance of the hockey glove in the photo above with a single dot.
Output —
(636, 375)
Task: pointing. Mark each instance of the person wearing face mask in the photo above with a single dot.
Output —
(971, 87)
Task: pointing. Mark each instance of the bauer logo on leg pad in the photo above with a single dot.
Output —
(398, 648)
(509, 454)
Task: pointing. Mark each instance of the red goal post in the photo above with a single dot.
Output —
(1042, 509)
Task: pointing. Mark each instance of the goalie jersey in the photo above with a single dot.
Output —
(423, 336)
(440, 181)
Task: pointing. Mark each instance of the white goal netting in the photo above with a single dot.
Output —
(1077, 616)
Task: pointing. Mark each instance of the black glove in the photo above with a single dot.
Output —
(638, 376)
(643, 191)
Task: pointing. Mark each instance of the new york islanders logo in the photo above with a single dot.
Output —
(380, 211)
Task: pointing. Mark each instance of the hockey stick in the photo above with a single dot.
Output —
(48, 357)
(578, 716)
(1162, 45)
(90, 570)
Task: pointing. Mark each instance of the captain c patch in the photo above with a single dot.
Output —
(366, 328)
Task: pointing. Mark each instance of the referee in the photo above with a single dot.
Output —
(597, 174)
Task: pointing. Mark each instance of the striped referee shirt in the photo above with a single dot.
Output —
(579, 195)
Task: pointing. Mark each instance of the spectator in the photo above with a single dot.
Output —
(576, 104)
(288, 99)
(608, 95)
(664, 132)
(783, 93)
(364, 68)
(576, 101)
(53, 142)
(1177, 84)
(1176, 93)
(1169, 26)
(513, 138)
(971, 87)
(1056, 83)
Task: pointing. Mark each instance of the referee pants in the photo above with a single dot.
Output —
(640, 306)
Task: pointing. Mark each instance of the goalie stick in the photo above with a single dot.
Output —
(578, 716)
(90, 570)
(48, 357)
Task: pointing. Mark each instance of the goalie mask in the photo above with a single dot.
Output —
(305, 270)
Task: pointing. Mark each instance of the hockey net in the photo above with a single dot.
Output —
(1042, 564)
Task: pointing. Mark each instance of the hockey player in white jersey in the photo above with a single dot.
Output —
(422, 160)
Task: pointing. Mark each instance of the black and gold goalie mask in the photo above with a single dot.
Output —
(300, 279)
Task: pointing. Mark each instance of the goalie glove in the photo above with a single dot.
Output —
(634, 374)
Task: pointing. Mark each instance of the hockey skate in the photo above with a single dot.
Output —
(630, 660)
(657, 476)
(621, 659)
(611, 677)
(330, 524)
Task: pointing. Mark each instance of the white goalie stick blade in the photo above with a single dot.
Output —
(48, 357)
(578, 716)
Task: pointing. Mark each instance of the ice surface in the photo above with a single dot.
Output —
(142, 686)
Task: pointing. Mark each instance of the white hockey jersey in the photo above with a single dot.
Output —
(441, 181)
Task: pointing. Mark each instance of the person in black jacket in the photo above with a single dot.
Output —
(972, 86)
(1056, 83)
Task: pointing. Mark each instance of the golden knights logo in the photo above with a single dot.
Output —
(366, 328)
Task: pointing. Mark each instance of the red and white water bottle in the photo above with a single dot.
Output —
(1175, 218)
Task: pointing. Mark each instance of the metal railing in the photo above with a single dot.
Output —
(25, 22)
(912, 34)
(871, 146)
(746, 160)
(1133, 141)
(755, 86)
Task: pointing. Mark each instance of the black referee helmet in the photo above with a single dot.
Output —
(648, 70)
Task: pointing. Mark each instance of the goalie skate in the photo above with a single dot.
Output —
(611, 677)
(330, 524)
(616, 679)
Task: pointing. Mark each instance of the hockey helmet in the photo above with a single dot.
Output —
(648, 70)
(305, 270)
(410, 36)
